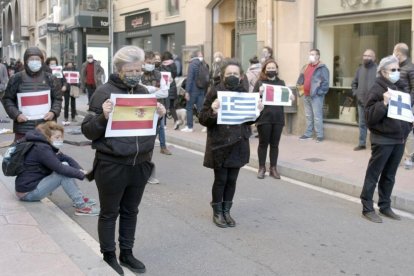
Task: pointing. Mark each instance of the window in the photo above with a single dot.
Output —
(173, 7)
(41, 9)
(66, 9)
(142, 42)
(52, 3)
(94, 5)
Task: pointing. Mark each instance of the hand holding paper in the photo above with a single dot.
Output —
(387, 97)
(215, 106)
(107, 108)
(161, 109)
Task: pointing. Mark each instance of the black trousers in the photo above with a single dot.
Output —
(224, 186)
(72, 101)
(120, 190)
(382, 167)
(90, 89)
(269, 134)
(170, 105)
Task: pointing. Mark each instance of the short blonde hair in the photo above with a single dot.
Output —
(48, 128)
(127, 54)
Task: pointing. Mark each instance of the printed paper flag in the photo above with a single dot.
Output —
(165, 79)
(34, 105)
(399, 106)
(72, 77)
(57, 71)
(276, 95)
(133, 115)
(237, 108)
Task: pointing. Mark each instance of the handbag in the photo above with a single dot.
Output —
(74, 91)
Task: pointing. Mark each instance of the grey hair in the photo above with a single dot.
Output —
(127, 54)
(385, 62)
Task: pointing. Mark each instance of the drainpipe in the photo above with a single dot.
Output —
(111, 34)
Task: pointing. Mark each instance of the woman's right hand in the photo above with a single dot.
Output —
(261, 90)
(387, 98)
(215, 106)
(107, 107)
(21, 118)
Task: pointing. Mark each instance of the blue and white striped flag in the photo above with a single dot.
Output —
(237, 108)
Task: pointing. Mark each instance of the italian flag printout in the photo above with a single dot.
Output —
(34, 105)
(132, 115)
(276, 95)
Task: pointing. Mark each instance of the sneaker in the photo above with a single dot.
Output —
(88, 201)
(304, 137)
(372, 216)
(153, 180)
(204, 129)
(87, 211)
(319, 139)
(65, 122)
(187, 129)
(177, 125)
(389, 213)
(165, 151)
(74, 120)
(360, 148)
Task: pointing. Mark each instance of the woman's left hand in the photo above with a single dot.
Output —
(161, 110)
(292, 97)
(49, 116)
(260, 105)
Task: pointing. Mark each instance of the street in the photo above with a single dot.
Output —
(282, 228)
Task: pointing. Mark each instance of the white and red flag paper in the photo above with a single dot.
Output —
(57, 71)
(132, 115)
(165, 79)
(276, 95)
(34, 105)
(72, 77)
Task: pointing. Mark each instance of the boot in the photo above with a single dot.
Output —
(110, 259)
(261, 172)
(128, 260)
(226, 213)
(218, 218)
(274, 173)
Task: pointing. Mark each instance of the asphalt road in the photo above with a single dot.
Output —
(282, 228)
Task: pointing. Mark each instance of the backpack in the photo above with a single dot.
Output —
(203, 77)
(13, 159)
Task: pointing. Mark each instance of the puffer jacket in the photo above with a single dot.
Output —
(227, 145)
(376, 112)
(407, 76)
(121, 150)
(320, 80)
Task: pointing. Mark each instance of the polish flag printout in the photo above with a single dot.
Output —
(57, 71)
(34, 105)
(165, 79)
(276, 95)
(72, 77)
(237, 108)
(132, 115)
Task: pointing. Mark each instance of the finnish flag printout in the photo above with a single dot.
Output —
(276, 95)
(34, 105)
(237, 108)
(399, 106)
(165, 79)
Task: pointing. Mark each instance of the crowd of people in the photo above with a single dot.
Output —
(127, 161)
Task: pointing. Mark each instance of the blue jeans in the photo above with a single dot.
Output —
(314, 115)
(51, 183)
(196, 98)
(161, 133)
(362, 126)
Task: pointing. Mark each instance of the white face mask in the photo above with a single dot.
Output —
(394, 76)
(57, 144)
(312, 58)
(200, 59)
(34, 65)
(149, 67)
(90, 60)
(217, 59)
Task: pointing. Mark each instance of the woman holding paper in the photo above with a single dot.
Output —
(388, 137)
(227, 146)
(122, 165)
(271, 121)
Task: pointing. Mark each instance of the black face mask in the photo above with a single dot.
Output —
(271, 74)
(232, 82)
(368, 62)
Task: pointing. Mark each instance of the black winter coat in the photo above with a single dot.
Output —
(407, 76)
(41, 161)
(227, 146)
(121, 150)
(376, 112)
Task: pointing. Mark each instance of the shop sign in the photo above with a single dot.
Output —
(100, 22)
(141, 21)
(49, 28)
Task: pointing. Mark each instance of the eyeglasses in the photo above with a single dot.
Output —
(395, 69)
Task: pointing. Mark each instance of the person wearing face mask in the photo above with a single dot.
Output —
(31, 79)
(69, 99)
(388, 137)
(92, 75)
(168, 65)
(364, 79)
(47, 168)
(157, 61)
(314, 77)
(122, 165)
(216, 68)
(270, 122)
(227, 146)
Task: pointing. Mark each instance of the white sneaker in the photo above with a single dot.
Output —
(153, 180)
(204, 129)
(65, 123)
(187, 129)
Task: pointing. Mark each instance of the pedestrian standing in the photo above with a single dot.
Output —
(388, 137)
(253, 72)
(122, 165)
(168, 65)
(69, 96)
(270, 122)
(365, 77)
(227, 146)
(92, 76)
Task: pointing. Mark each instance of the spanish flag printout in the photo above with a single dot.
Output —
(132, 115)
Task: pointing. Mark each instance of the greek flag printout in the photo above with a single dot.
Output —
(237, 107)
(399, 106)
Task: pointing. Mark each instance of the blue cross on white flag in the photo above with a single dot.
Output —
(237, 108)
(399, 106)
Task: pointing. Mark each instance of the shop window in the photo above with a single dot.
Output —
(349, 43)
(144, 43)
(173, 7)
(94, 5)
(41, 9)
(168, 43)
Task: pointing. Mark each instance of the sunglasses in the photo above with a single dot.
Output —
(394, 69)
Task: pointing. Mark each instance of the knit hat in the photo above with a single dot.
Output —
(33, 51)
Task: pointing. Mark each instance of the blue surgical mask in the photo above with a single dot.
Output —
(57, 144)
(394, 76)
(149, 67)
(34, 65)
